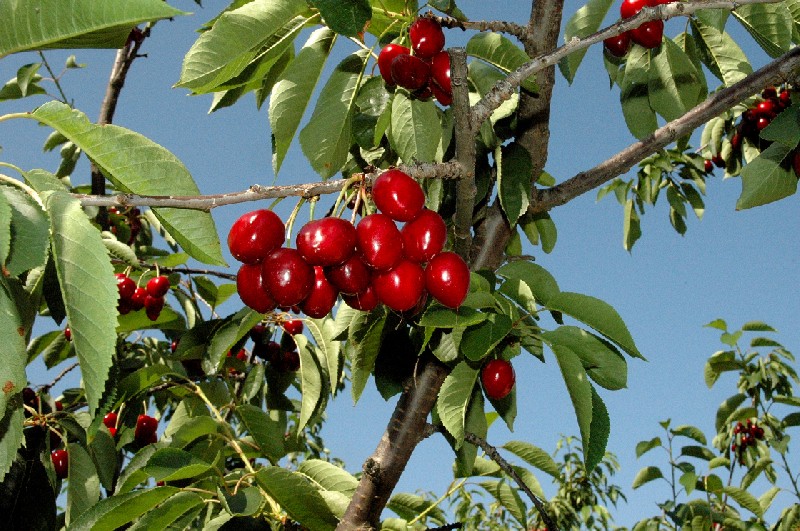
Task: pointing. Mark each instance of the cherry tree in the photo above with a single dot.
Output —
(130, 261)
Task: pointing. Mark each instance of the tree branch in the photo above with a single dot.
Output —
(464, 131)
(783, 68)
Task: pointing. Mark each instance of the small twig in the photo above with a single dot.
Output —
(497, 26)
(54, 77)
(46, 388)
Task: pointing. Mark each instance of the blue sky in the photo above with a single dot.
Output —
(739, 266)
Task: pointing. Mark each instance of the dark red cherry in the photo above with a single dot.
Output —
(60, 460)
(327, 241)
(410, 72)
(365, 301)
(440, 72)
(385, 58)
(153, 306)
(158, 286)
(137, 300)
(648, 34)
(287, 277)
(444, 98)
(251, 289)
(379, 242)
(427, 37)
(398, 195)
(497, 377)
(146, 427)
(110, 420)
(125, 285)
(322, 298)
(447, 279)
(629, 8)
(401, 287)
(618, 45)
(293, 326)
(352, 276)
(255, 235)
(424, 236)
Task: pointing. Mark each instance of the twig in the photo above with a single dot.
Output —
(54, 77)
(46, 388)
(497, 26)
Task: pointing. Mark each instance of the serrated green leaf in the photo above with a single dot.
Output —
(720, 53)
(441, 317)
(10, 437)
(508, 498)
(325, 139)
(784, 128)
(298, 497)
(639, 116)
(83, 487)
(595, 448)
(170, 464)
(579, 388)
(603, 363)
(48, 24)
(328, 476)
(244, 502)
(266, 432)
(474, 423)
(744, 498)
(292, 93)
(347, 17)
(328, 349)
(116, 511)
(599, 315)
(192, 428)
(674, 84)
(103, 450)
(769, 24)
(170, 511)
(226, 334)
(646, 475)
(643, 447)
(502, 53)
(514, 168)
(366, 332)
(416, 131)
(691, 432)
(454, 397)
(583, 23)
(539, 280)
(29, 232)
(765, 180)
(409, 506)
(88, 289)
(140, 166)
(479, 340)
(310, 381)
(534, 456)
(5, 229)
(12, 370)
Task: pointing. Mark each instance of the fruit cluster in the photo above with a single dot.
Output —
(279, 358)
(150, 297)
(497, 377)
(745, 436)
(648, 35)
(370, 263)
(145, 431)
(424, 69)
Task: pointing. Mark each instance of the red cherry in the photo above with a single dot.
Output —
(365, 301)
(629, 8)
(327, 241)
(293, 326)
(255, 235)
(410, 72)
(241, 355)
(158, 286)
(379, 241)
(398, 195)
(138, 298)
(146, 427)
(322, 298)
(736, 141)
(113, 431)
(447, 279)
(290, 361)
(424, 237)
(424, 93)
(427, 37)
(269, 352)
(498, 379)
(68, 334)
(796, 163)
(125, 285)
(440, 72)
(718, 161)
(60, 460)
(618, 45)
(251, 289)
(766, 108)
(110, 420)
(351, 276)
(648, 34)
(762, 123)
(708, 166)
(153, 306)
(785, 98)
(287, 277)
(400, 288)
(59, 405)
(444, 98)
(385, 58)
(769, 93)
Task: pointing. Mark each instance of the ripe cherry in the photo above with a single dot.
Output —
(293, 326)
(447, 279)
(398, 195)
(290, 361)
(145, 431)
(157, 286)
(137, 300)
(322, 298)
(796, 163)
(708, 166)
(60, 460)
(379, 242)
(444, 98)
(110, 420)
(766, 108)
(125, 285)
(385, 58)
(364, 301)
(255, 235)
(251, 289)
(269, 352)
(427, 37)
(648, 34)
(113, 431)
(440, 72)
(618, 45)
(424, 237)
(629, 8)
(287, 277)
(351, 276)
(400, 288)
(153, 306)
(68, 333)
(327, 241)
(410, 72)
(498, 379)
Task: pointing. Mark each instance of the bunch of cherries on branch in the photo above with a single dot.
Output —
(648, 34)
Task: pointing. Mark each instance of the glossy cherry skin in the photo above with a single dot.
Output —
(255, 235)
(444, 98)
(427, 37)
(365, 301)
(629, 8)
(400, 288)
(398, 195)
(424, 237)
(293, 326)
(648, 34)
(447, 279)
(440, 72)
(146, 427)
(322, 298)
(125, 285)
(350, 277)
(497, 377)
(252, 291)
(153, 306)
(385, 58)
(290, 361)
(158, 286)
(68, 334)
(137, 300)
(60, 460)
(379, 242)
(618, 45)
(327, 241)
(110, 420)
(269, 352)
(287, 277)
(410, 72)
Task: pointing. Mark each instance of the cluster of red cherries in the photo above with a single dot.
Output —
(143, 434)
(371, 263)
(648, 35)
(134, 298)
(424, 69)
(279, 358)
(746, 435)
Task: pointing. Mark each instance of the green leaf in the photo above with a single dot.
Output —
(744, 498)
(642, 447)
(409, 506)
(784, 128)
(366, 332)
(765, 180)
(170, 464)
(266, 432)
(29, 232)
(244, 502)
(5, 228)
(49, 24)
(88, 288)
(502, 53)
(757, 326)
(192, 428)
(326, 138)
(103, 450)
(170, 511)
(534, 456)
(720, 53)
(514, 169)
(292, 93)
(237, 38)
(227, 334)
(674, 84)
(646, 475)
(310, 381)
(508, 498)
(329, 350)
(479, 340)
(416, 131)
(10, 438)
(441, 317)
(579, 388)
(348, 17)
(603, 363)
(12, 369)
(83, 487)
(116, 511)
(454, 397)
(583, 23)
(138, 165)
(475, 423)
(769, 24)
(597, 314)
(298, 497)
(691, 432)
(639, 116)
(328, 476)
(595, 448)
(539, 280)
